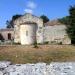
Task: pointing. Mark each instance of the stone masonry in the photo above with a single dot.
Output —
(25, 19)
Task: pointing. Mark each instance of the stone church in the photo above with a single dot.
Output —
(29, 29)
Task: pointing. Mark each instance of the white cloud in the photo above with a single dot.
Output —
(28, 10)
(31, 4)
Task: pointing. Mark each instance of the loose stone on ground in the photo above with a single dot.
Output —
(54, 68)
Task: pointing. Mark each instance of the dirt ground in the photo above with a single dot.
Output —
(44, 53)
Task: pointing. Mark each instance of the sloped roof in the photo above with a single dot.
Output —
(7, 29)
(53, 22)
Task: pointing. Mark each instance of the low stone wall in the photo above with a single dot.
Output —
(54, 68)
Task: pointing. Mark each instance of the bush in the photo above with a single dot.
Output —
(35, 44)
(60, 43)
(47, 42)
(53, 42)
(16, 43)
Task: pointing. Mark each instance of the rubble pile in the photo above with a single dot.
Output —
(54, 68)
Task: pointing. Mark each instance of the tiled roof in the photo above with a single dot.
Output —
(7, 29)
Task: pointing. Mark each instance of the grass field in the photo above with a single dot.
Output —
(45, 53)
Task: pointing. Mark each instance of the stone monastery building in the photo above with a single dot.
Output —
(29, 29)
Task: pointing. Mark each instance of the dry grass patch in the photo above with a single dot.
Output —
(45, 53)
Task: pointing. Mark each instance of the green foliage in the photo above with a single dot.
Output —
(16, 17)
(45, 18)
(16, 43)
(69, 21)
(9, 23)
(35, 44)
(60, 43)
(47, 42)
(65, 20)
(71, 28)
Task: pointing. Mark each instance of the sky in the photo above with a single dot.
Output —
(53, 9)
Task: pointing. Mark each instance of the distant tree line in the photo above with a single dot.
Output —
(69, 21)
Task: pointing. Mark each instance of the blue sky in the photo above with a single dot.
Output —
(51, 8)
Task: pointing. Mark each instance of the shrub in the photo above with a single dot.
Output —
(16, 43)
(60, 43)
(35, 44)
(47, 42)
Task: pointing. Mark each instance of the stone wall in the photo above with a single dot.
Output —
(56, 34)
(5, 32)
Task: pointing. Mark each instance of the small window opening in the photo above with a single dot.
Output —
(9, 36)
(26, 33)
